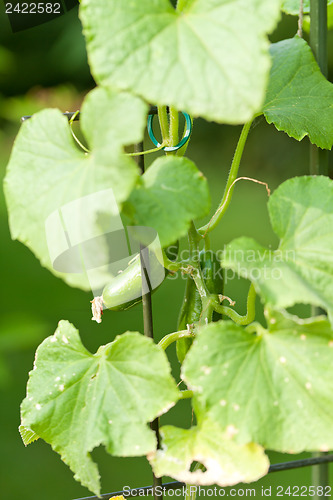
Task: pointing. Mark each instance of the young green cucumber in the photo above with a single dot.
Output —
(125, 289)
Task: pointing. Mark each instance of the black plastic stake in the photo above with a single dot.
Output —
(147, 311)
(318, 43)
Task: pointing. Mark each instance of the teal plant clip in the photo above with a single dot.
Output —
(183, 141)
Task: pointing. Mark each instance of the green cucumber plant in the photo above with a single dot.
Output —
(210, 58)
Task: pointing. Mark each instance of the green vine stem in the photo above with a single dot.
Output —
(193, 240)
(73, 134)
(154, 150)
(222, 208)
(207, 243)
(170, 265)
(256, 328)
(173, 337)
(187, 394)
(237, 318)
(231, 179)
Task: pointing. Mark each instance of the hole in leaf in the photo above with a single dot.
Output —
(196, 466)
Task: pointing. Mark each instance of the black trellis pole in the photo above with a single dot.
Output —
(148, 313)
(318, 43)
(319, 166)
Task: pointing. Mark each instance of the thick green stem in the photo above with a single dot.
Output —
(319, 163)
(232, 177)
(193, 240)
(207, 310)
(318, 32)
(191, 490)
(173, 126)
(173, 337)
(164, 123)
(320, 474)
(237, 318)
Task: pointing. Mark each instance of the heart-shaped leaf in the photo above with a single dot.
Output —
(77, 400)
(226, 462)
(209, 58)
(273, 387)
(299, 99)
(53, 189)
(301, 269)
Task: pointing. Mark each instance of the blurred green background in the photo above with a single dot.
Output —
(46, 66)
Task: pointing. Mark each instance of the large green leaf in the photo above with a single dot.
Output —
(301, 269)
(299, 99)
(226, 461)
(47, 171)
(210, 59)
(292, 6)
(274, 387)
(76, 400)
(170, 194)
